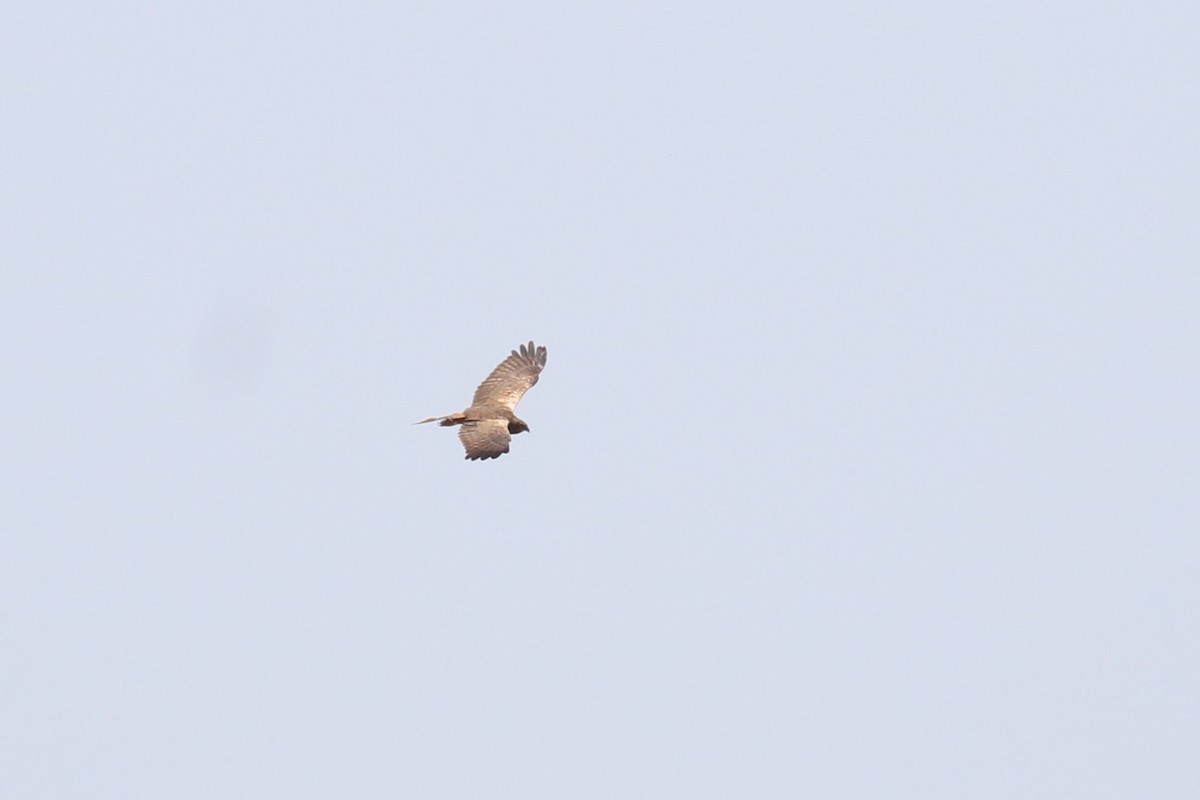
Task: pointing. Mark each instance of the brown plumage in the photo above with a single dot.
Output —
(489, 424)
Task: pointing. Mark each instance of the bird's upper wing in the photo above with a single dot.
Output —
(511, 378)
(484, 438)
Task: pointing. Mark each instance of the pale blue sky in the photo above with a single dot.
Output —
(864, 465)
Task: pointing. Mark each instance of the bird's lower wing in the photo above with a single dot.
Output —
(485, 438)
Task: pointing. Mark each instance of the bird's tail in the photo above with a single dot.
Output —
(445, 421)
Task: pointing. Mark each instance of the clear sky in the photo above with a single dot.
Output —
(865, 463)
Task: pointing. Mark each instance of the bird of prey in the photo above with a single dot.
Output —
(486, 426)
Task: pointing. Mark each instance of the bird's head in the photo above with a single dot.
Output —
(517, 426)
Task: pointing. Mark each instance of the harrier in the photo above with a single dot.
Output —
(488, 423)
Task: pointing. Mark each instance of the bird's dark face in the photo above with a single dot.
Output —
(517, 426)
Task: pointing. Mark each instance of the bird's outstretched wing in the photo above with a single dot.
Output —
(484, 438)
(511, 378)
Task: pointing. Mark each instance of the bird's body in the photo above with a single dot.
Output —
(488, 425)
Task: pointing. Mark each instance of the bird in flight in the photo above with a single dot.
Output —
(487, 426)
